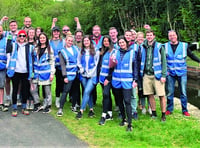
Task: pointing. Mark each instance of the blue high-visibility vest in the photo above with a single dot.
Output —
(56, 50)
(71, 62)
(105, 66)
(157, 66)
(3, 57)
(176, 62)
(91, 65)
(42, 67)
(14, 55)
(99, 44)
(122, 76)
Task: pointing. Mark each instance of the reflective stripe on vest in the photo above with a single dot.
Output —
(176, 62)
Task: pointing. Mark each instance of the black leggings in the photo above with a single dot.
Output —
(25, 87)
(123, 96)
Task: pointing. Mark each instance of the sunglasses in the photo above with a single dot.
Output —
(22, 36)
(66, 30)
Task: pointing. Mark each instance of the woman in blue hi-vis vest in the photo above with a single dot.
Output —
(105, 76)
(87, 63)
(20, 70)
(68, 61)
(43, 67)
(124, 78)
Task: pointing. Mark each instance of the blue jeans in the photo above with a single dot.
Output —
(182, 83)
(87, 94)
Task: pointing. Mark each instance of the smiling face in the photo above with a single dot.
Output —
(65, 29)
(78, 36)
(27, 22)
(140, 38)
(42, 39)
(21, 38)
(106, 42)
(56, 34)
(86, 42)
(122, 44)
(13, 26)
(96, 31)
(128, 35)
(69, 41)
(31, 33)
(173, 37)
(113, 34)
(150, 36)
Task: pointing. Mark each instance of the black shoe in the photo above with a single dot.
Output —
(91, 114)
(47, 110)
(129, 128)
(123, 123)
(108, 117)
(36, 107)
(163, 119)
(79, 115)
(102, 121)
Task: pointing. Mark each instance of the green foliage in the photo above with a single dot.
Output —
(161, 15)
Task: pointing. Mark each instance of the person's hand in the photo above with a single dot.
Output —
(4, 18)
(66, 80)
(163, 80)
(51, 78)
(105, 82)
(146, 26)
(76, 19)
(134, 84)
(55, 20)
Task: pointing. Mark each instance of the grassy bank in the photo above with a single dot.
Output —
(177, 131)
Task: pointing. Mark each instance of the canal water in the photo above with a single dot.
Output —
(193, 90)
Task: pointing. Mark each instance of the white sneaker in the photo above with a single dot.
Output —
(19, 102)
(60, 113)
(57, 102)
(7, 101)
(144, 111)
(149, 110)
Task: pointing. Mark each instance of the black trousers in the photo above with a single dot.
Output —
(107, 100)
(75, 92)
(59, 82)
(25, 87)
(123, 96)
(66, 89)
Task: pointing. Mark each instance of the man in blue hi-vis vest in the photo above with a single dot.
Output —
(153, 70)
(176, 53)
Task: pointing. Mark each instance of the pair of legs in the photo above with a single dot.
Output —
(87, 94)
(107, 100)
(123, 96)
(35, 94)
(25, 87)
(151, 86)
(170, 85)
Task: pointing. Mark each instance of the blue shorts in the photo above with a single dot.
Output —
(2, 78)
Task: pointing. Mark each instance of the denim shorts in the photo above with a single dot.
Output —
(2, 78)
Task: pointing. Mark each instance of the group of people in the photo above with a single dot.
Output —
(131, 64)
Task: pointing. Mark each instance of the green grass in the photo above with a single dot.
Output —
(190, 62)
(177, 131)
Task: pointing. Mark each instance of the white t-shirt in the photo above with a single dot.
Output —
(21, 59)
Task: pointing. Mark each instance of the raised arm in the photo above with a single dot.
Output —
(54, 22)
(78, 25)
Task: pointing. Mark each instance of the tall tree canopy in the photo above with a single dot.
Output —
(161, 15)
